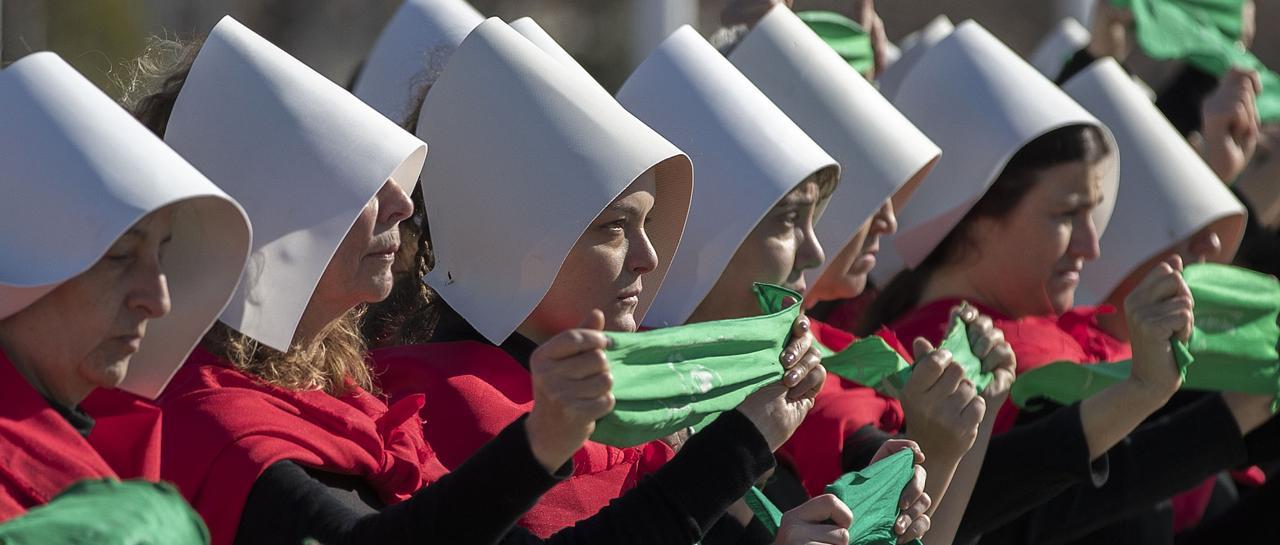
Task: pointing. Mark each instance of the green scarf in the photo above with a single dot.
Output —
(109, 512)
(1203, 33)
(844, 35)
(669, 379)
(871, 494)
(871, 362)
(1233, 343)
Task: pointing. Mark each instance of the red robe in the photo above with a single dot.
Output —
(40, 453)
(473, 391)
(841, 408)
(224, 428)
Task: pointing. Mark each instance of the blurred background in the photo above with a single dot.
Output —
(607, 36)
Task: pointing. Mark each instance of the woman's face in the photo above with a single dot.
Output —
(846, 275)
(603, 270)
(778, 251)
(360, 270)
(81, 335)
(1029, 262)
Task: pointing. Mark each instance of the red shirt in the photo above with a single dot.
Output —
(40, 453)
(223, 428)
(842, 407)
(473, 391)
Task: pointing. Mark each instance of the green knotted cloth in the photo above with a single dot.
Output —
(871, 362)
(844, 35)
(1233, 343)
(1204, 34)
(669, 379)
(109, 512)
(871, 494)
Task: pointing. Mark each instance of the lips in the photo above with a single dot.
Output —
(385, 251)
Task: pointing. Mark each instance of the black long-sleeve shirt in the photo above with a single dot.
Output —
(481, 500)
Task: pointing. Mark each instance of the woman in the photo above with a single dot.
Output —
(155, 255)
(766, 232)
(559, 220)
(1011, 234)
(275, 434)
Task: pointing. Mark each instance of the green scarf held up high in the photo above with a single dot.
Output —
(109, 512)
(844, 35)
(669, 379)
(871, 494)
(1204, 34)
(871, 362)
(1233, 343)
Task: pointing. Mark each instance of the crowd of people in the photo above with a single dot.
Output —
(791, 284)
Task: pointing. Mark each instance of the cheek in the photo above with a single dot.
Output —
(775, 258)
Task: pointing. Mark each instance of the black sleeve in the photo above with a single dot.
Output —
(1160, 459)
(861, 446)
(1028, 466)
(681, 502)
(476, 504)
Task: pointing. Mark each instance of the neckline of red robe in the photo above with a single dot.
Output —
(40, 453)
(815, 451)
(223, 428)
(474, 390)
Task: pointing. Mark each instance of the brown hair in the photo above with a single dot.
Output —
(1063, 145)
(336, 359)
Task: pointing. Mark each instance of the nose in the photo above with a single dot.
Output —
(885, 222)
(1204, 246)
(641, 255)
(394, 206)
(149, 293)
(809, 254)
(1084, 240)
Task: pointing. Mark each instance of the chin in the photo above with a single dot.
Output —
(110, 374)
(1062, 302)
(622, 322)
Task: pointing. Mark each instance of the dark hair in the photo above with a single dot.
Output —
(1063, 145)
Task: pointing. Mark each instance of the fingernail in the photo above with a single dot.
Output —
(793, 377)
(804, 324)
(788, 357)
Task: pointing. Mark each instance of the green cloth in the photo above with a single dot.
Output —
(1233, 343)
(109, 512)
(844, 35)
(669, 379)
(1204, 34)
(871, 362)
(871, 494)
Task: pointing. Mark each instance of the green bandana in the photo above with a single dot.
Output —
(669, 379)
(871, 494)
(844, 35)
(871, 362)
(109, 512)
(1233, 343)
(1204, 33)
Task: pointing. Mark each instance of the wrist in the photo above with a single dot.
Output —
(1144, 395)
(546, 450)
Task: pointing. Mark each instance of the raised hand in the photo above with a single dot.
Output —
(571, 390)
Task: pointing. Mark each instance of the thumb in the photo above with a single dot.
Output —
(594, 320)
(921, 348)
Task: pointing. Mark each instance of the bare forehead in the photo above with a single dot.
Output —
(1077, 182)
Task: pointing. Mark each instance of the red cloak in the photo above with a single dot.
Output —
(473, 391)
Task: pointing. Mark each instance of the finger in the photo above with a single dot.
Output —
(919, 506)
(579, 366)
(821, 509)
(916, 530)
(800, 342)
(808, 361)
(593, 320)
(913, 490)
(592, 409)
(928, 369)
(986, 342)
(894, 445)
(950, 379)
(570, 343)
(818, 534)
(965, 312)
(588, 388)
(809, 386)
(921, 347)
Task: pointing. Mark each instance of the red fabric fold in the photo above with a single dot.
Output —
(473, 391)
